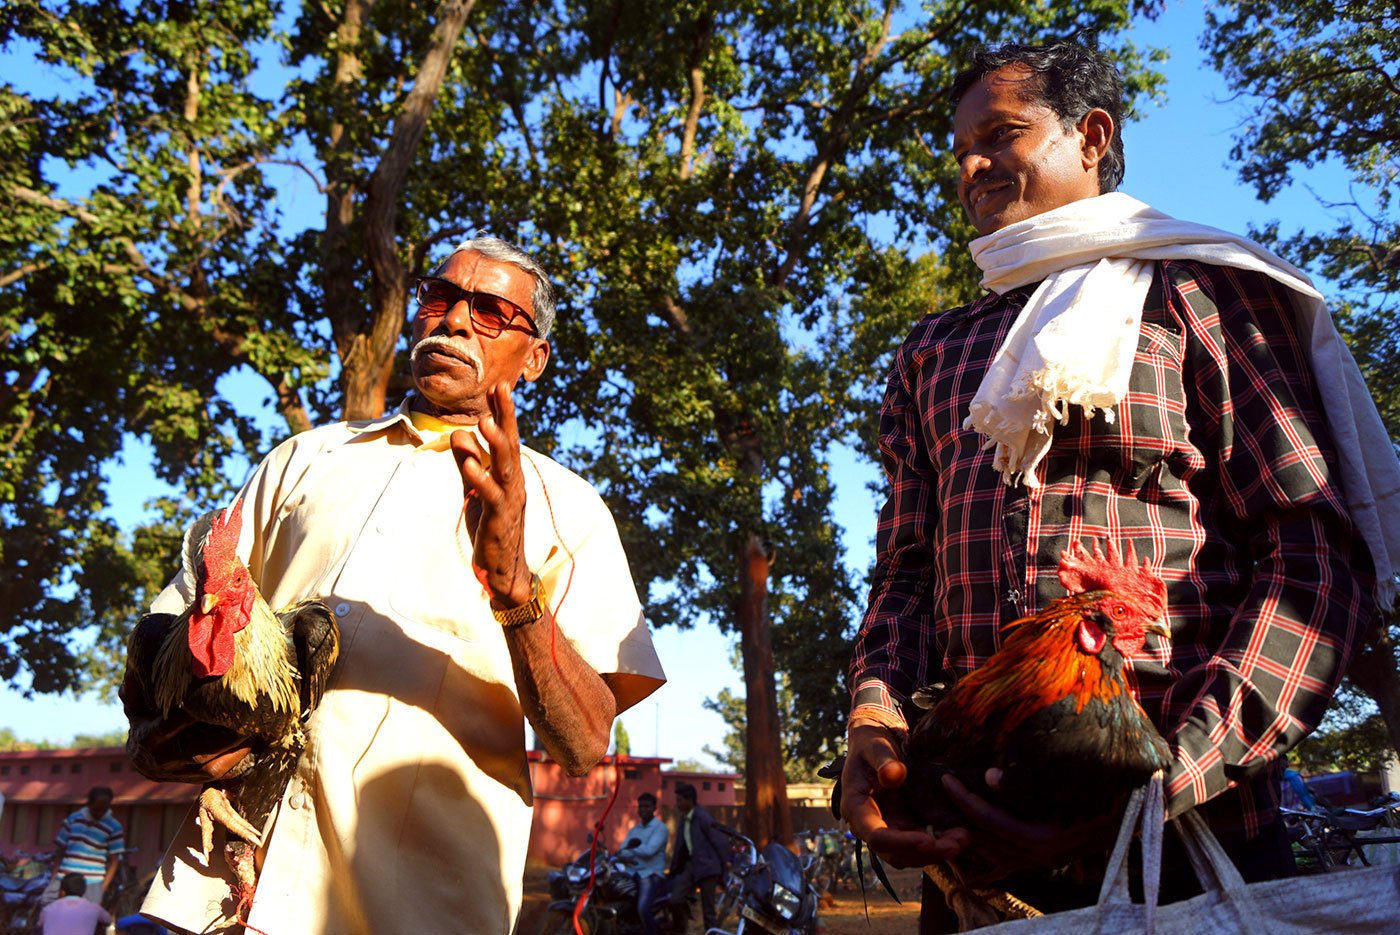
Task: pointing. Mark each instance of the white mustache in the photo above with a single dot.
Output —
(437, 342)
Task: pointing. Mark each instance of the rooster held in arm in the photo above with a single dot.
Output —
(220, 693)
(1052, 709)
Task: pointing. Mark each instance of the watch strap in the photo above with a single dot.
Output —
(528, 612)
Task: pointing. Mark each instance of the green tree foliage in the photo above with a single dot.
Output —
(686, 766)
(145, 257)
(738, 199)
(8, 742)
(1350, 739)
(111, 738)
(1321, 84)
(731, 755)
(622, 744)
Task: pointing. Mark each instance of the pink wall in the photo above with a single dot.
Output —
(567, 807)
(710, 788)
(42, 787)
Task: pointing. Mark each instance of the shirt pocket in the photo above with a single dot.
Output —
(1149, 430)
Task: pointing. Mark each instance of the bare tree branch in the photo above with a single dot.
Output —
(699, 49)
(17, 274)
(367, 353)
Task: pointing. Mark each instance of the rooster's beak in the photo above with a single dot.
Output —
(1159, 627)
(209, 603)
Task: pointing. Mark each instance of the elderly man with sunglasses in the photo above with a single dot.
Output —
(478, 585)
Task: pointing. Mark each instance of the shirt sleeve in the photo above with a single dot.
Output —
(890, 657)
(588, 581)
(1280, 657)
(261, 496)
(60, 840)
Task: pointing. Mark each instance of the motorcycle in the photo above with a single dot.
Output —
(571, 878)
(610, 907)
(775, 897)
(21, 886)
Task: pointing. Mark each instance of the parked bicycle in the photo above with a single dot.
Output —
(829, 859)
(1326, 839)
(127, 891)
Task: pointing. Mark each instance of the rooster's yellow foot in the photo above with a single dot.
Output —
(215, 806)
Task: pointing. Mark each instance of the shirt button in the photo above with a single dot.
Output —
(296, 800)
(342, 609)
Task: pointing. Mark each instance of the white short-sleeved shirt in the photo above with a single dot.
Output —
(411, 808)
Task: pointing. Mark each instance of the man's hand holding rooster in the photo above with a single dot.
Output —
(870, 783)
(1001, 844)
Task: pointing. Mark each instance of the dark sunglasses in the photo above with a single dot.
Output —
(490, 314)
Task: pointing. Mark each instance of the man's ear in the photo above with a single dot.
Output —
(1097, 129)
(535, 360)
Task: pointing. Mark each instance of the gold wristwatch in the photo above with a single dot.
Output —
(528, 612)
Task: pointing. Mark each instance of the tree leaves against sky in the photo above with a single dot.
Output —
(746, 205)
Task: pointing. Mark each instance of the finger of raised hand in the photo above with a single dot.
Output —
(502, 403)
(502, 433)
(477, 481)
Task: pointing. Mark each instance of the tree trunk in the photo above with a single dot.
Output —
(766, 816)
(366, 339)
(1373, 671)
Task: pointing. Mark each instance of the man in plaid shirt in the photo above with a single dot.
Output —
(1218, 466)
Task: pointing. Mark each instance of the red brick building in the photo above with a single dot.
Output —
(41, 787)
(711, 789)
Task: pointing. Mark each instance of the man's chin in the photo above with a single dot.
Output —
(443, 396)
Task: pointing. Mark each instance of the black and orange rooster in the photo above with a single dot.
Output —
(1052, 708)
(219, 693)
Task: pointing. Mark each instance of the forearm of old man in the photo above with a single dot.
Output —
(568, 704)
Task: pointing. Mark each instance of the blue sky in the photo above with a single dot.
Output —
(1177, 160)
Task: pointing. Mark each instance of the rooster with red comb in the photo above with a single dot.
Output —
(219, 693)
(1053, 710)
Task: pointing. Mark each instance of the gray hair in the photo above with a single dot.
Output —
(503, 251)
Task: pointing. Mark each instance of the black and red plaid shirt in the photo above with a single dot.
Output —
(1218, 467)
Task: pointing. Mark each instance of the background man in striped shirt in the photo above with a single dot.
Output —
(88, 842)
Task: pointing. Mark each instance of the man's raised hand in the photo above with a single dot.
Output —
(495, 501)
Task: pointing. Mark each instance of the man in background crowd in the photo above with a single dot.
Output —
(87, 844)
(645, 851)
(699, 857)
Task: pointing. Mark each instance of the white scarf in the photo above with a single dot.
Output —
(1063, 350)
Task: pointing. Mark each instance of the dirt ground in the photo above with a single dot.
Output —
(844, 915)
